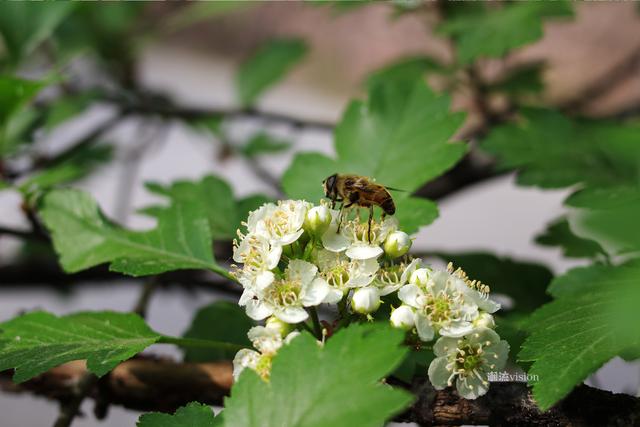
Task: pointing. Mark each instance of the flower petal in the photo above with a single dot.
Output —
(472, 387)
(409, 294)
(334, 241)
(257, 310)
(438, 373)
(424, 328)
(292, 315)
(456, 329)
(264, 279)
(334, 296)
(301, 270)
(363, 251)
(315, 292)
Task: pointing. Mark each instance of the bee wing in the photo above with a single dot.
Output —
(396, 189)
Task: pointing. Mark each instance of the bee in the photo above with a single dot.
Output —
(360, 191)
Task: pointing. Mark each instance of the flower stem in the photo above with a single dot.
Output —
(316, 322)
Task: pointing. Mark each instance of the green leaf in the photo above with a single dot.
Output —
(409, 69)
(593, 320)
(76, 167)
(332, 385)
(609, 216)
(221, 321)
(398, 137)
(24, 25)
(524, 282)
(212, 196)
(414, 212)
(84, 238)
(263, 143)
(269, 65)
(552, 151)
(35, 342)
(15, 118)
(559, 234)
(491, 32)
(192, 415)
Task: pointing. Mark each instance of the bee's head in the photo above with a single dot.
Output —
(329, 186)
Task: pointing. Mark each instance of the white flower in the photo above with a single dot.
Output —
(267, 341)
(342, 273)
(402, 317)
(365, 300)
(441, 307)
(280, 224)
(354, 237)
(317, 220)
(397, 244)
(391, 278)
(286, 297)
(259, 258)
(468, 360)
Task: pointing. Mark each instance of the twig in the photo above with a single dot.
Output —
(141, 305)
(628, 67)
(22, 234)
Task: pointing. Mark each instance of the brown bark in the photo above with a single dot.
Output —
(150, 384)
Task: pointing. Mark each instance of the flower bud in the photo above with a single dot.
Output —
(397, 244)
(317, 220)
(402, 317)
(420, 277)
(365, 300)
(484, 320)
(276, 324)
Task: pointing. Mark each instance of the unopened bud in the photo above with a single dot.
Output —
(276, 324)
(403, 318)
(484, 320)
(365, 300)
(397, 244)
(317, 220)
(420, 277)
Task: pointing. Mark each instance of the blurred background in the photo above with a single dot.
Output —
(160, 69)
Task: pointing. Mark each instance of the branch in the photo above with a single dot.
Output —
(628, 67)
(511, 404)
(148, 384)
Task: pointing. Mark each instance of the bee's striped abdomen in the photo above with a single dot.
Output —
(388, 206)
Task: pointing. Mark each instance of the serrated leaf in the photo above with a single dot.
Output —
(35, 342)
(552, 151)
(609, 216)
(84, 238)
(192, 415)
(312, 386)
(524, 282)
(221, 321)
(15, 93)
(214, 198)
(25, 25)
(398, 137)
(591, 322)
(491, 32)
(269, 65)
(559, 234)
(409, 69)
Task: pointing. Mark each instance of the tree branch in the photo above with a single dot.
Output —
(148, 384)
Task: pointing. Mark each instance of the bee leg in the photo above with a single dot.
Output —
(369, 223)
(340, 217)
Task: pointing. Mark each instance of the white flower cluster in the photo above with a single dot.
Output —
(295, 256)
